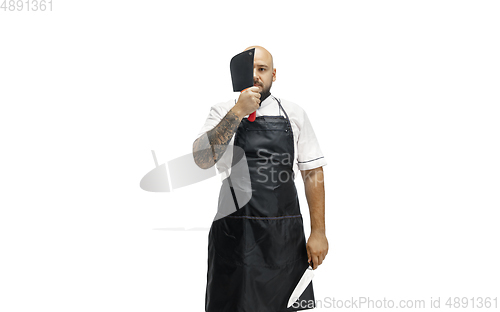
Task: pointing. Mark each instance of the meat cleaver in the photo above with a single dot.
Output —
(242, 73)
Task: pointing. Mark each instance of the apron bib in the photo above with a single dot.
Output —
(257, 254)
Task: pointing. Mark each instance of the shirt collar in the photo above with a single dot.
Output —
(267, 101)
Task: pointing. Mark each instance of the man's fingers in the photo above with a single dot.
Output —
(315, 262)
(320, 260)
(317, 259)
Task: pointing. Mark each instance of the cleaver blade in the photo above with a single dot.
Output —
(241, 66)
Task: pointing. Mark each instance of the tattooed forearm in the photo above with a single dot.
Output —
(220, 136)
(210, 147)
(202, 152)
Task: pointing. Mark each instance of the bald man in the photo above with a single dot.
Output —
(257, 253)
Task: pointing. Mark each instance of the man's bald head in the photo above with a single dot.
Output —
(264, 72)
(263, 54)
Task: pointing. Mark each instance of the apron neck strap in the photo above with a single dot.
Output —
(281, 107)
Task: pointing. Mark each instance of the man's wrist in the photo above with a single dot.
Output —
(318, 231)
(238, 112)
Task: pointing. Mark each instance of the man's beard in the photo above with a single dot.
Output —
(265, 93)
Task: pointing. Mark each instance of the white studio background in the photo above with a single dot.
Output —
(403, 96)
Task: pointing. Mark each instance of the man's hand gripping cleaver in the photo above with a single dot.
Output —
(242, 73)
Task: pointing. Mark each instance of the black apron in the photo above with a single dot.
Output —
(257, 255)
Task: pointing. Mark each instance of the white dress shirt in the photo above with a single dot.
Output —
(307, 152)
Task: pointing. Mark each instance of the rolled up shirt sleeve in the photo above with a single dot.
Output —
(309, 153)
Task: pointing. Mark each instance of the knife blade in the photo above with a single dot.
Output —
(301, 286)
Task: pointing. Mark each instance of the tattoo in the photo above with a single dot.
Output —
(209, 148)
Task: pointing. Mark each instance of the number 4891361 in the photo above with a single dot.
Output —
(472, 302)
(26, 5)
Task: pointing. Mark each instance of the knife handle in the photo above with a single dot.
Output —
(252, 115)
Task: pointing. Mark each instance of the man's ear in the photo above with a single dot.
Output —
(274, 74)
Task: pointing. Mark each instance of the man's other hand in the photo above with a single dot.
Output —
(317, 248)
